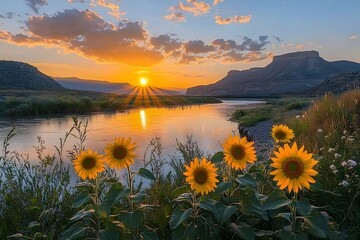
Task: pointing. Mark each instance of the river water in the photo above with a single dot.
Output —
(208, 124)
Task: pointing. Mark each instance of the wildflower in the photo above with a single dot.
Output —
(322, 149)
(345, 132)
(294, 168)
(201, 176)
(336, 155)
(343, 163)
(343, 138)
(344, 183)
(320, 130)
(298, 116)
(331, 150)
(238, 151)
(120, 154)
(332, 167)
(335, 171)
(282, 133)
(88, 164)
(351, 163)
(351, 139)
(327, 136)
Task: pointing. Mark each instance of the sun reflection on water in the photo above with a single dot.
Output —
(143, 118)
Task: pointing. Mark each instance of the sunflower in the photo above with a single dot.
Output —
(238, 151)
(120, 154)
(282, 133)
(294, 168)
(88, 164)
(201, 175)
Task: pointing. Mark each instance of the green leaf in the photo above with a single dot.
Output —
(104, 235)
(208, 206)
(81, 214)
(180, 190)
(224, 212)
(276, 199)
(103, 211)
(244, 231)
(146, 174)
(33, 224)
(81, 198)
(110, 180)
(85, 184)
(318, 225)
(222, 187)
(218, 157)
(188, 232)
(149, 235)
(76, 231)
(265, 233)
(250, 205)
(116, 193)
(303, 207)
(179, 216)
(285, 235)
(139, 197)
(246, 180)
(131, 219)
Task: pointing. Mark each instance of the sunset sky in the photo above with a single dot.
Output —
(175, 44)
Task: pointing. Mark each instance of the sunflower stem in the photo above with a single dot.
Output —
(130, 183)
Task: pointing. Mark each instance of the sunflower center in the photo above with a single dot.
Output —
(238, 152)
(293, 167)
(119, 152)
(201, 175)
(281, 135)
(88, 162)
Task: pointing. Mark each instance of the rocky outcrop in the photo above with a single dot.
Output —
(288, 74)
(19, 75)
(338, 84)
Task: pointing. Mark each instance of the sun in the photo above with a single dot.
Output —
(143, 81)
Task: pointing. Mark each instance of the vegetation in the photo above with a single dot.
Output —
(224, 195)
(24, 103)
(274, 109)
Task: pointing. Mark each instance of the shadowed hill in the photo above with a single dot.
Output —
(19, 75)
(338, 84)
(291, 73)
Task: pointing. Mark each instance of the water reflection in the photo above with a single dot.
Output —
(206, 123)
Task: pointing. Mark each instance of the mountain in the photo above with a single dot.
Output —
(19, 75)
(291, 73)
(338, 84)
(107, 87)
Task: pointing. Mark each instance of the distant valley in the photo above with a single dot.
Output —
(298, 73)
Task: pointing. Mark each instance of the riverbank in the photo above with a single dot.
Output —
(37, 102)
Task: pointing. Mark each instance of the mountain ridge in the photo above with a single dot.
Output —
(291, 73)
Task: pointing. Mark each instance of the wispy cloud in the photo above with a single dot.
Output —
(216, 2)
(300, 46)
(8, 15)
(234, 19)
(175, 17)
(196, 8)
(353, 37)
(36, 4)
(114, 9)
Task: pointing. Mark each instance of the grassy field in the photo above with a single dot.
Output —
(276, 109)
(31, 102)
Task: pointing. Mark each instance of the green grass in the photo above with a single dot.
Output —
(28, 102)
(275, 109)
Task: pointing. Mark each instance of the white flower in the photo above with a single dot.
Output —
(343, 138)
(331, 150)
(298, 116)
(351, 163)
(344, 132)
(335, 171)
(344, 183)
(337, 155)
(343, 163)
(332, 167)
(351, 139)
(320, 130)
(326, 136)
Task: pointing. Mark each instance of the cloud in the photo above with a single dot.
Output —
(115, 9)
(76, 1)
(166, 43)
(234, 19)
(86, 33)
(197, 8)
(353, 37)
(300, 46)
(175, 17)
(252, 45)
(8, 15)
(198, 46)
(35, 4)
(216, 2)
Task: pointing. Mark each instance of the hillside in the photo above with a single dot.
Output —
(18, 75)
(338, 84)
(292, 73)
(107, 87)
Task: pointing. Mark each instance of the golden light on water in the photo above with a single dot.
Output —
(143, 82)
(143, 118)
